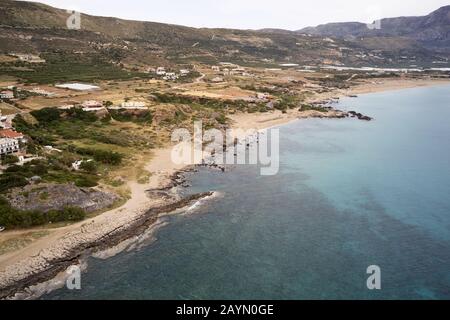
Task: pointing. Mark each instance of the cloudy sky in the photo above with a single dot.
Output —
(251, 14)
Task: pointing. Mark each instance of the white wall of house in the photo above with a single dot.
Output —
(8, 146)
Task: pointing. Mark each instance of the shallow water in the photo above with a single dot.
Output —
(349, 194)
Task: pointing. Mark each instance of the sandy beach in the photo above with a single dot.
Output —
(36, 257)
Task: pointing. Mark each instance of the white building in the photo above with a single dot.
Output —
(229, 64)
(8, 146)
(217, 80)
(184, 72)
(92, 105)
(161, 71)
(170, 76)
(6, 95)
(42, 92)
(31, 58)
(4, 123)
(66, 107)
(133, 105)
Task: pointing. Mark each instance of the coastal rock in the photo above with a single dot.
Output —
(46, 197)
(360, 116)
(331, 114)
(71, 249)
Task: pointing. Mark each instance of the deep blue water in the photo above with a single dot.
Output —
(349, 194)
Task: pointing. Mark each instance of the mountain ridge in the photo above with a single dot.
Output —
(432, 30)
(35, 28)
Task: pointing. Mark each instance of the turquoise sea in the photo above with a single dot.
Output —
(349, 194)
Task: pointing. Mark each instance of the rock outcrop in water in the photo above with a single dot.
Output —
(360, 116)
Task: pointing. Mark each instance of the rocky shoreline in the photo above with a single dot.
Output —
(48, 268)
(49, 264)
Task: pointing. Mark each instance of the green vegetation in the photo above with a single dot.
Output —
(102, 156)
(140, 117)
(9, 159)
(78, 135)
(307, 107)
(222, 119)
(14, 218)
(53, 171)
(288, 101)
(56, 125)
(285, 97)
(89, 166)
(61, 67)
(9, 181)
(209, 103)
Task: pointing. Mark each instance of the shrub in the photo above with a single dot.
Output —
(89, 166)
(86, 182)
(13, 218)
(123, 115)
(46, 115)
(10, 159)
(103, 156)
(79, 114)
(67, 214)
(11, 181)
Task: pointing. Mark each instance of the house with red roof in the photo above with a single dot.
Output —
(11, 134)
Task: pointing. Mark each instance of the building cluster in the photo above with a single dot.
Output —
(266, 98)
(12, 92)
(42, 92)
(95, 106)
(4, 123)
(169, 75)
(30, 58)
(92, 106)
(7, 95)
(231, 69)
(130, 105)
(10, 141)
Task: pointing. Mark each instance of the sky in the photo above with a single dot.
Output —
(251, 14)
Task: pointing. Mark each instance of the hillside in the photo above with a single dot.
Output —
(431, 31)
(28, 27)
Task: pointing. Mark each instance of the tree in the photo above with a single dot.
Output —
(11, 181)
(46, 115)
(15, 92)
(10, 159)
(89, 166)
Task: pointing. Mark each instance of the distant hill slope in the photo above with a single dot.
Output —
(38, 28)
(432, 31)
